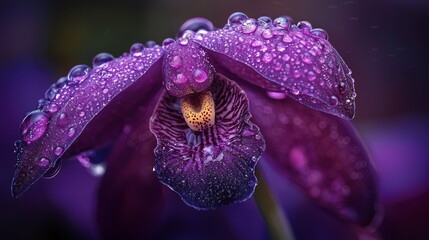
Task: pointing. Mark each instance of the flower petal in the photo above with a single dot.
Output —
(130, 199)
(321, 153)
(214, 167)
(90, 100)
(291, 59)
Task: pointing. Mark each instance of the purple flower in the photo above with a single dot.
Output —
(203, 109)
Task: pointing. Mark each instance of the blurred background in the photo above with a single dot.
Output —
(384, 42)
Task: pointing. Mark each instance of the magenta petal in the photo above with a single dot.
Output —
(321, 153)
(214, 167)
(292, 60)
(86, 111)
(130, 199)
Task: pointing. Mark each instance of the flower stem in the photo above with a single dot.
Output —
(275, 219)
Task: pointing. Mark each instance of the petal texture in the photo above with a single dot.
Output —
(321, 153)
(214, 167)
(130, 198)
(278, 57)
(92, 100)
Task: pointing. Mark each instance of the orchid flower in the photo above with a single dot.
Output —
(202, 110)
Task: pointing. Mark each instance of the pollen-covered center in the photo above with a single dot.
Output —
(198, 110)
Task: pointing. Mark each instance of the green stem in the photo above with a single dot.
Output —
(277, 223)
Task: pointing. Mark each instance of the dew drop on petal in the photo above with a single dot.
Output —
(136, 47)
(333, 100)
(304, 25)
(280, 47)
(77, 74)
(34, 126)
(287, 38)
(321, 33)
(71, 132)
(101, 58)
(311, 75)
(176, 62)
(267, 34)
(295, 91)
(249, 26)
(58, 151)
(180, 78)
(200, 75)
(43, 162)
(282, 22)
(267, 58)
(183, 41)
(167, 42)
(237, 18)
(62, 119)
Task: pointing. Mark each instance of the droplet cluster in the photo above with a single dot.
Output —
(280, 56)
(70, 104)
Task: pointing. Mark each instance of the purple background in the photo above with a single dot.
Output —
(384, 42)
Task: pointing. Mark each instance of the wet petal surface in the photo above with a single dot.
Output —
(281, 57)
(321, 153)
(88, 99)
(213, 167)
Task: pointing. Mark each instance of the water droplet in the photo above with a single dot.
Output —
(200, 75)
(333, 100)
(304, 25)
(167, 42)
(267, 58)
(42, 103)
(264, 21)
(311, 75)
(150, 44)
(183, 41)
(286, 57)
(321, 33)
(52, 108)
(61, 82)
(249, 25)
(51, 92)
(43, 162)
(256, 43)
(54, 170)
(58, 151)
(78, 74)
(282, 22)
(237, 18)
(195, 25)
(106, 90)
(136, 47)
(62, 119)
(101, 59)
(342, 87)
(82, 113)
(295, 91)
(176, 62)
(267, 34)
(287, 38)
(34, 126)
(307, 58)
(258, 136)
(276, 95)
(71, 132)
(280, 47)
(180, 78)
(296, 74)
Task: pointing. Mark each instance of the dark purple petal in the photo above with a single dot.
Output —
(284, 58)
(130, 199)
(214, 167)
(321, 153)
(96, 101)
